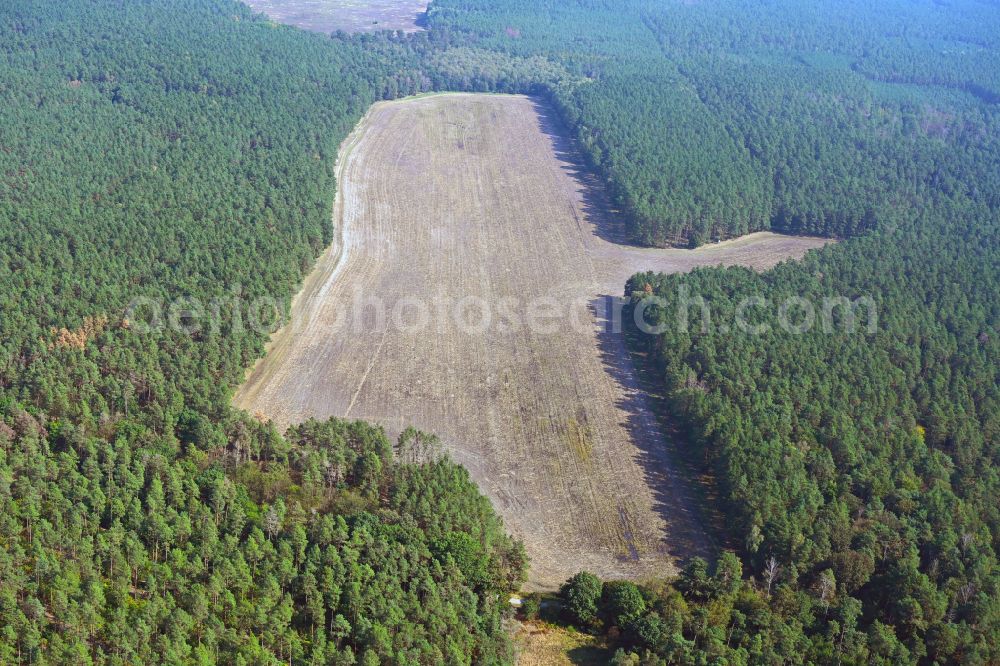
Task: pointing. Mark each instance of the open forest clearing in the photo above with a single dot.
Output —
(348, 15)
(465, 295)
(544, 644)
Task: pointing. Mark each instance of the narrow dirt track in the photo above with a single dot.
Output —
(477, 201)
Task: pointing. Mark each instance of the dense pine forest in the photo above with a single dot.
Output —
(173, 149)
(857, 467)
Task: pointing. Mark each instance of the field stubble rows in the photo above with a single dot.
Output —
(450, 196)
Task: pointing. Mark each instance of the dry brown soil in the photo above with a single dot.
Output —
(543, 644)
(478, 201)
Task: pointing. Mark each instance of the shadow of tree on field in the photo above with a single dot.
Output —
(597, 206)
(679, 501)
(589, 655)
(680, 497)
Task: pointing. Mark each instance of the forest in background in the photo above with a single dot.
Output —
(711, 120)
(185, 149)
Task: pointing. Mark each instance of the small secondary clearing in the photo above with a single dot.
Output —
(328, 16)
(465, 230)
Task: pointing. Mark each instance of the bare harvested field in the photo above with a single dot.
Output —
(348, 15)
(464, 228)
